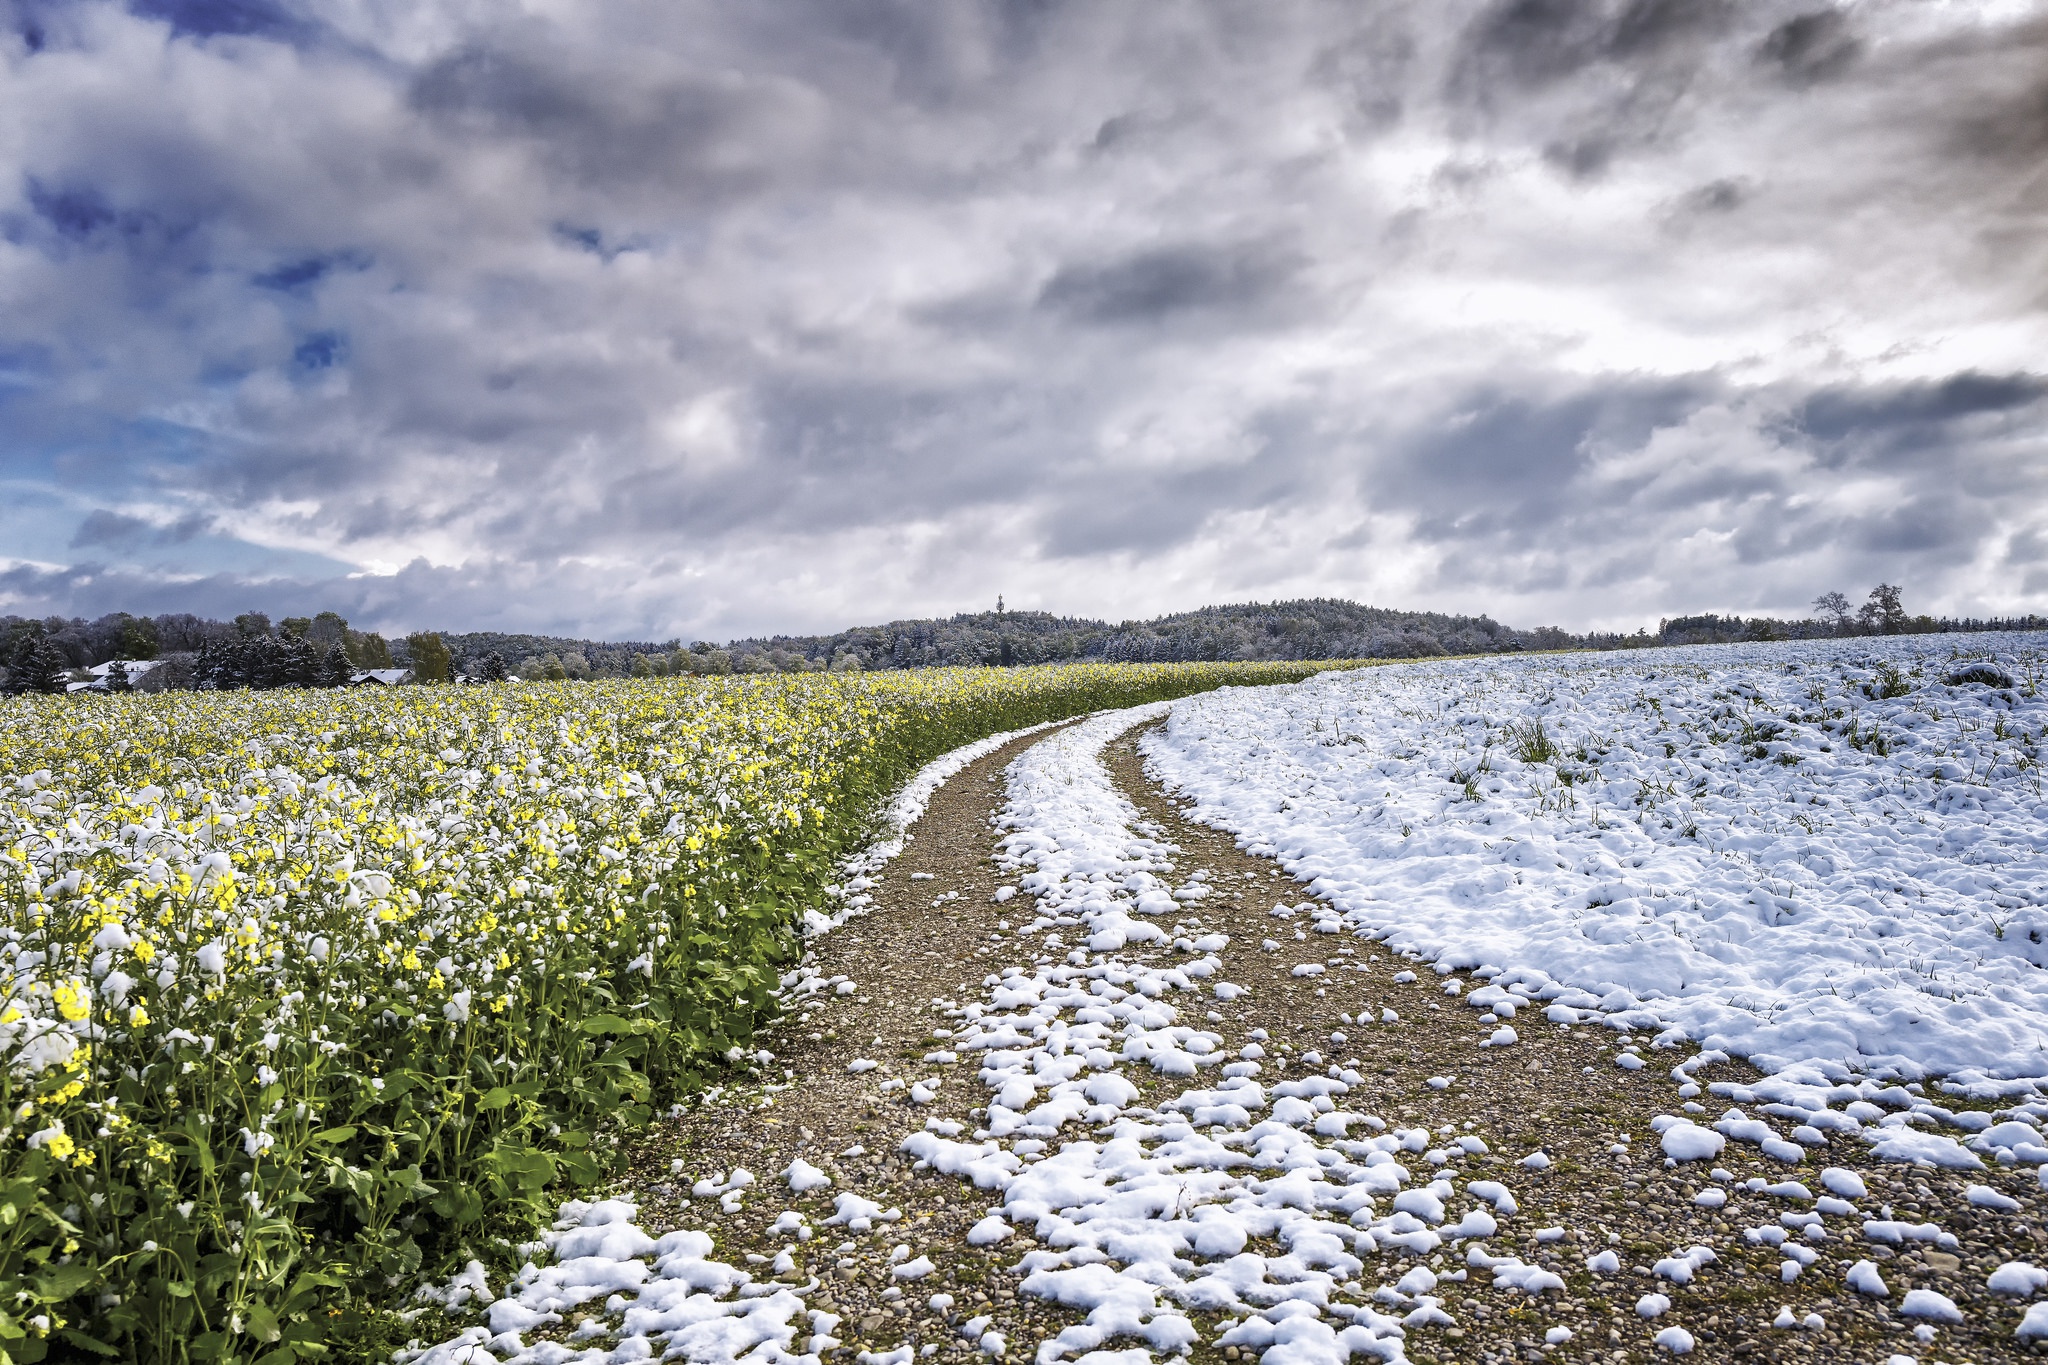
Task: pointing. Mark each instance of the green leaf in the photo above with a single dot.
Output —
(332, 1135)
(260, 1323)
(580, 1168)
(310, 1280)
(84, 1342)
(606, 1023)
(62, 1281)
(495, 1098)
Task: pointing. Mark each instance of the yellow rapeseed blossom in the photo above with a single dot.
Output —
(292, 896)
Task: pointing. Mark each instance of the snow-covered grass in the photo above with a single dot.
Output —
(1816, 854)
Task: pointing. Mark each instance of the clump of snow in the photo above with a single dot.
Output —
(684, 1304)
(1844, 1182)
(1925, 1303)
(1686, 1141)
(2018, 1278)
(1984, 1197)
(804, 1177)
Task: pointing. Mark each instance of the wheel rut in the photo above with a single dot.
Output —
(934, 933)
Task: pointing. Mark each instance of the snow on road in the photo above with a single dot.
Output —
(1178, 1206)
(1753, 845)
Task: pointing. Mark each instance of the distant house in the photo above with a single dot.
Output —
(380, 677)
(98, 681)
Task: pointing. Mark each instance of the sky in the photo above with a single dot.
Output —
(668, 318)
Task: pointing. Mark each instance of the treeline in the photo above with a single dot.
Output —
(181, 651)
(1314, 628)
(1883, 612)
(323, 651)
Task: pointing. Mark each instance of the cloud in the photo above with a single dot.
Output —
(1168, 283)
(681, 319)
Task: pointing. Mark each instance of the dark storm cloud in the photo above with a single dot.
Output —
(1915, 419)
(1811, 47)
(679, 316)
(1162, 283)
(103, 529)
(1508, 469)
(1531, 44)
(1508, 481)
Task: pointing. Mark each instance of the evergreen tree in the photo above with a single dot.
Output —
(490, 668)
(223, 666)
(117, 677)
(298, 663)
(37, 666)
(335, 669)
(261, 663)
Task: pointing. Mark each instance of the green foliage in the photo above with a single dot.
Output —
(401, 966)
(1531, 742)
(431, 662)
(1887, 682)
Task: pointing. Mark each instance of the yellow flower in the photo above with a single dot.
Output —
(137, 1016)
(74, 1002)
(60, 1146)
(411, 960)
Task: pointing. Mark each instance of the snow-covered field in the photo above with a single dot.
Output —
(1753, 844)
